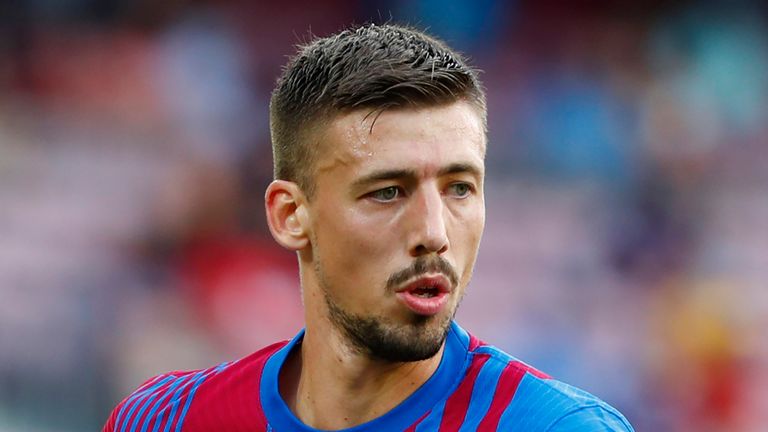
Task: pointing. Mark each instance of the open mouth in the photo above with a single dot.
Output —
(427, 295)
(425, 291)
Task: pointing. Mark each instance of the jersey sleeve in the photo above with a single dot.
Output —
(595, 418)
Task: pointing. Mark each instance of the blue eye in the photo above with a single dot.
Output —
(386, 194)
(461, 189)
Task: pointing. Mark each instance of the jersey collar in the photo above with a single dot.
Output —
(437, 388)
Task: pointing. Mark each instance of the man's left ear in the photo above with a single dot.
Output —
(287, 214)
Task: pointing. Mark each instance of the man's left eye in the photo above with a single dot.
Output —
(461, 189)
(386, 194)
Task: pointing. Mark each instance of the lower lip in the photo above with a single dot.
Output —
(423, 305)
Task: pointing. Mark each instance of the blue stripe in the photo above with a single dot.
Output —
(199, 381)
(156, 405)
(189, 379)
(533, 406)
(176, 400)
(432, 422)
(482, 394)
(142, 409)
(135, 396)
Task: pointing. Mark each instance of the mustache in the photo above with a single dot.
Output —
(423, 266)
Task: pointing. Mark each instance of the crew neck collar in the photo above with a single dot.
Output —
(441, 384)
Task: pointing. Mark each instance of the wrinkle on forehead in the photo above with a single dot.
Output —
(351, 137)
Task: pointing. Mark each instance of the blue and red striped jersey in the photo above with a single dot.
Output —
(476, 387)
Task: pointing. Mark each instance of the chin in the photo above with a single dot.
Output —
(380, 338)
(418, 340)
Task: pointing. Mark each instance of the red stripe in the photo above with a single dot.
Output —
(474, 343)
(527, 368)
(412, 428)
(456, 406)
(535, 372)
(506, 388)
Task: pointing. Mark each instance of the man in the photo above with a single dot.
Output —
(379, 143)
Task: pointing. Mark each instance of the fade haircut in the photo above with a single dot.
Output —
(375, 67)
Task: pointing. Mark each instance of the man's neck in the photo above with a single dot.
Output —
(339, 387)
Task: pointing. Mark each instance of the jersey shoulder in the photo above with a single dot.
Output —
(564, 407)
(538, 402)
(226, 394)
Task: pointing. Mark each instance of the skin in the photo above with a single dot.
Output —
(360, 228)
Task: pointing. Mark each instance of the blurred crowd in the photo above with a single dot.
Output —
(626, 248)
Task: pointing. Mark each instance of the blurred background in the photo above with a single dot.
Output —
(626, 249)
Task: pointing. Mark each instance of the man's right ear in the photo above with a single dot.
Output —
(287, 214)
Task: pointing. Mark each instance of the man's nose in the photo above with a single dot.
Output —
(427, 215)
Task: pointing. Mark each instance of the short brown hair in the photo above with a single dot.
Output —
(373, 66)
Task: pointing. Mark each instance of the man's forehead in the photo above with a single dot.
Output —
(363, 133)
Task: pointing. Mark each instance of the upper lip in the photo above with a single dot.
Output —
(438, 281)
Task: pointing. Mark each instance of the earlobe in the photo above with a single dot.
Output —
(286, 214)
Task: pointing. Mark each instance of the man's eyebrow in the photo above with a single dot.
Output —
(458, 168)
(381, 175)
(391, 174)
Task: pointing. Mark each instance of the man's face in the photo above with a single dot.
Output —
(396, 221)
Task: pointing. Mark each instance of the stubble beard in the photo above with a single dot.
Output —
(378, 337)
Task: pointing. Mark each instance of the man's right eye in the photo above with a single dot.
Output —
(386, 194)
